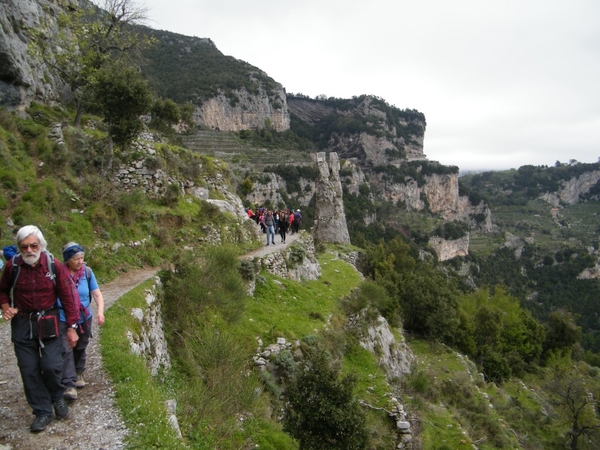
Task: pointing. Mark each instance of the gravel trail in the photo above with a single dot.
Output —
(94, 423)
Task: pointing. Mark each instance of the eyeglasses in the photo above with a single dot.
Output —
(33, 247)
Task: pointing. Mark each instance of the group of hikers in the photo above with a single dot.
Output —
(278, 221)
(48, 305)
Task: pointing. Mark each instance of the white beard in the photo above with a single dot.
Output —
(32, 259)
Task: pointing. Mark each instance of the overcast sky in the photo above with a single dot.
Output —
(501, 83)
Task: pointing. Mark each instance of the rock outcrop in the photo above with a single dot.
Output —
(330, 223)
(449, 249)
(251, 111)
(151, 342)
(24, 78)
(571, 190)
(396, 358)
(393, 135)
(439, 193)
(267, 188)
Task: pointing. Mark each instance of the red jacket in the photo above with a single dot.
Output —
(35, 290)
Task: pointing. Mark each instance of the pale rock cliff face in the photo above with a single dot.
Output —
(449, 249)
(571, 190)
(250, 112)
(591, 273)
(395, 357)
(24, 79)
(366, 149)
(330, 223)
(371, 150)
(441, 193)
(267, 191)
(261, 191)
(352, 176)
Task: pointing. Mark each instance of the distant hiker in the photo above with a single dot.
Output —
(270, 225)
(38, 280)
(74, 359)
(283, 225)
(250, 214)
(291, 221)
(261, 220)
(297, 221)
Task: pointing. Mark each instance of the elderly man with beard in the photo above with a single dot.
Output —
(34, 298)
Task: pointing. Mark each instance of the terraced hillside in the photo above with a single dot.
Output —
(229, 147)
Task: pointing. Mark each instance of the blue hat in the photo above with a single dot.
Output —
(71, 251)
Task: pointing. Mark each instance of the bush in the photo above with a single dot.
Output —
(214, 283)
(322, 413)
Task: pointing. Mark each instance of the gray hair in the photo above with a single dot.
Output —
(31, 230)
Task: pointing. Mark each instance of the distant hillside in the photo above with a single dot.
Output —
(190, 69)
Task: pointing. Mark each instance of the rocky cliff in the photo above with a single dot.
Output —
(449, 249)
(239, 96)
(571, 190)
(364, 129)
(330, 217)
(23, 78)
(251, 111)
(439, 194)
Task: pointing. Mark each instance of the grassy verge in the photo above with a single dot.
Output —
(140, 397)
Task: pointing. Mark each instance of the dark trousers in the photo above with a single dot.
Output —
(282, 233)
(41, 368)
(74, 358)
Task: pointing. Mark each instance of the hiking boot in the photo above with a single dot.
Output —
(80, 381)
(40, 423)
(70, 394)
(61, 410)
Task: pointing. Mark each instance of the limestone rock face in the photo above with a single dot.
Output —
(23, 78)
(440, 192)
(395, 357)
(449, 249)
(392, 140)
(571, 190)
(250, 112)
(270, 186)
(352, 176)
(330, 217)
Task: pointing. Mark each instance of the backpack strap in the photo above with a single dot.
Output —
(88, 277)
(16, 269)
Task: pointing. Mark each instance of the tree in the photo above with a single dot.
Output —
(578, 404)
(321, 412)
(122, 96)
(87, 40)
(165, 114)
(562, 332)
(429, 303)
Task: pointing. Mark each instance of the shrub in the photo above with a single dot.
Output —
(296, 255)
(322, 413)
